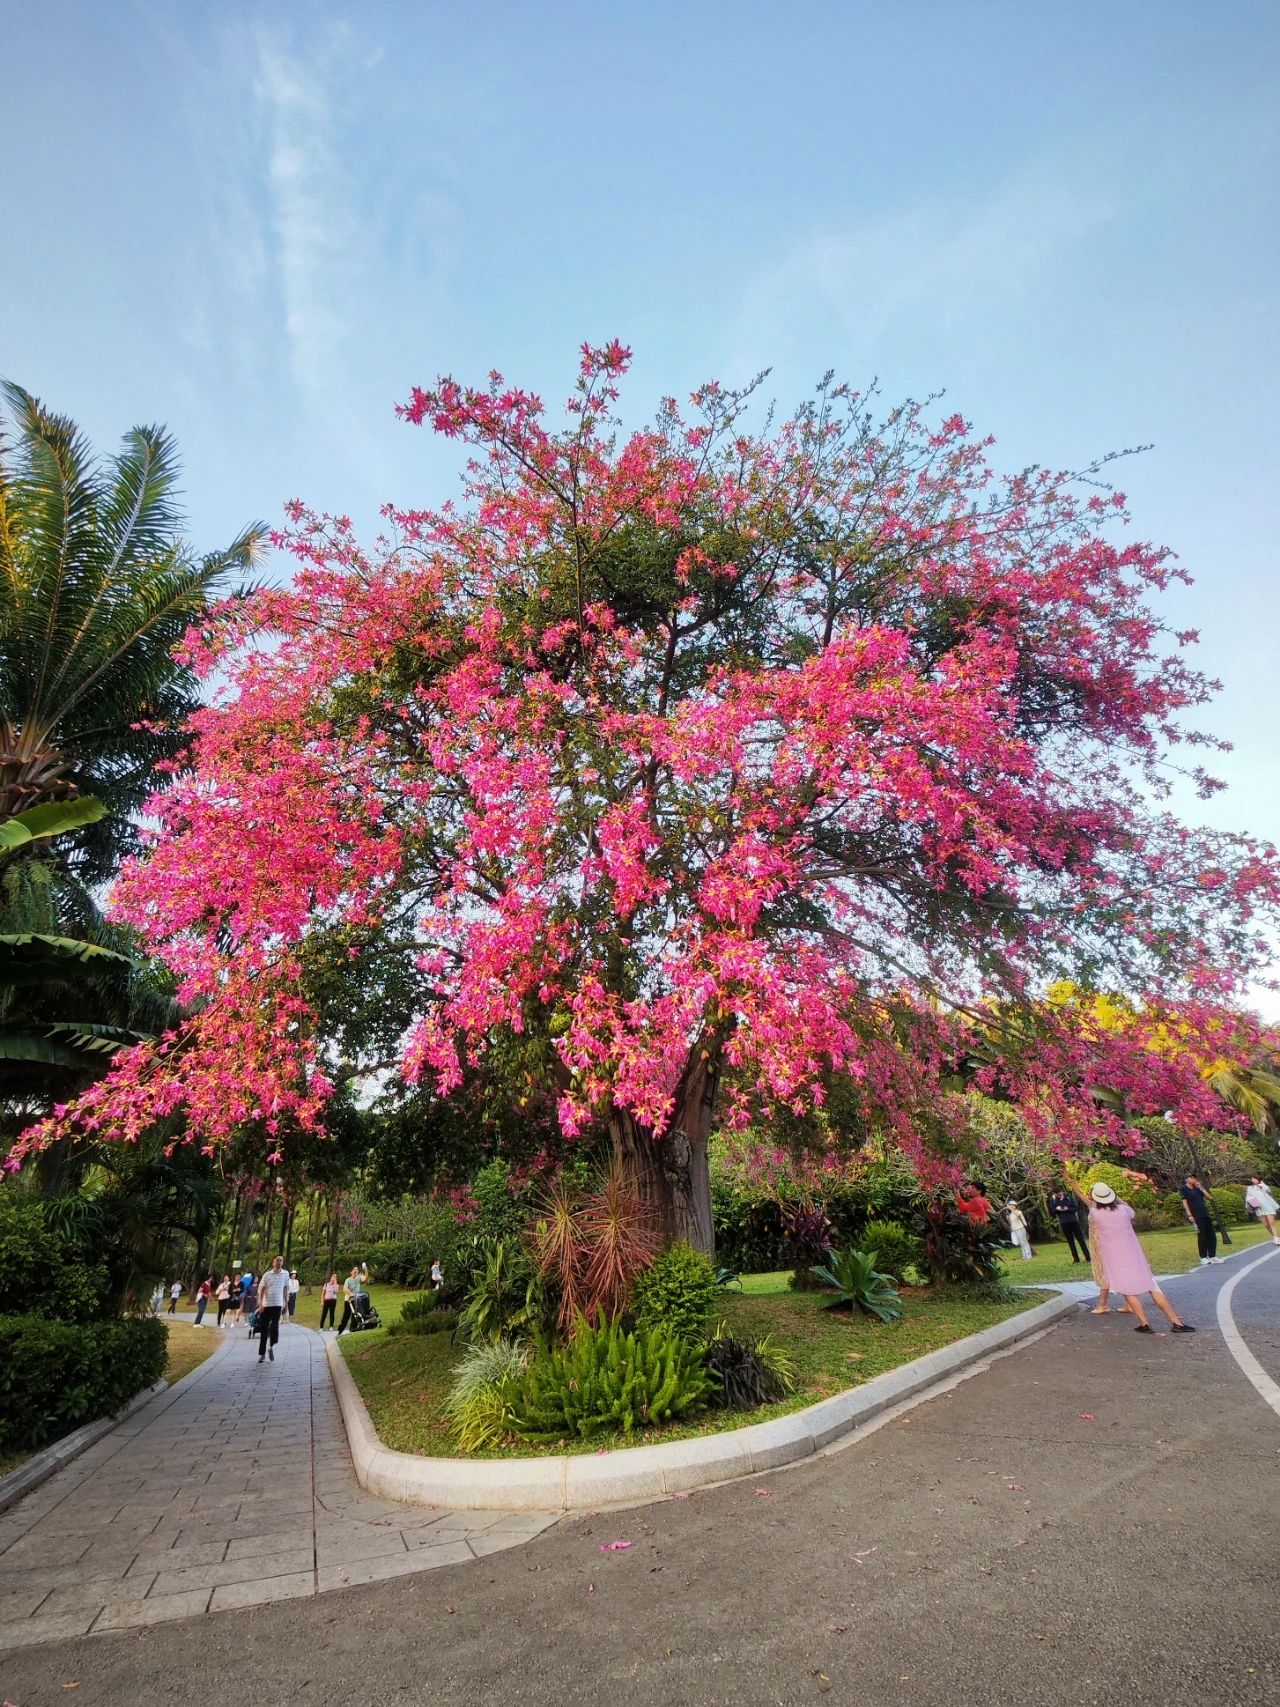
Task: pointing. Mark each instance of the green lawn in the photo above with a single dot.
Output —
(1172, 1251)
(188, 1346)
(388, 1301)
(404, 1378)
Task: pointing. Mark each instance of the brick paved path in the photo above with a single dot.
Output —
(234, 1488)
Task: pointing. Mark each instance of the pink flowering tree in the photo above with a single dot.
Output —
(706, 765)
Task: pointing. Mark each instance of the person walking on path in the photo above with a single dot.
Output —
(249, 1305)
(329, 1300)
(1261, 1199)
(175, 1292)
(1199, 1208)
(294, 1286)
(273, 1297)
(203, 1294)
(1062, 1206)
(223, 1295)
(1018, 1230)
(350, 1286)
(1125, 1262)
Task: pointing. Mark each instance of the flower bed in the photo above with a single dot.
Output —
(404, 1380)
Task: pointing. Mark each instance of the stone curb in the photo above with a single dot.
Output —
(47, 1463)
(638, 1473)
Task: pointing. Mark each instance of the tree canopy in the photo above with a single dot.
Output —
(710, 759)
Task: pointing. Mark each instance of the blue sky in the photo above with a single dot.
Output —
(263, 223)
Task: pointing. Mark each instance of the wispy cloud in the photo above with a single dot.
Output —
(936, 261)
(314, 230)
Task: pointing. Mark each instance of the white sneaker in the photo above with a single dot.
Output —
(1217, 1259)
(1204, 1262)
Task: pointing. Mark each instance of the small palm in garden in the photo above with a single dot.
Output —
(858, 1285)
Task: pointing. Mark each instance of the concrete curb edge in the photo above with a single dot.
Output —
(638, 1473)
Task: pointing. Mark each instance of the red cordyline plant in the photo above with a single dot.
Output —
(593, 1250)
(711, 750)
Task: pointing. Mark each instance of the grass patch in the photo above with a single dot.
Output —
(388, 1301)
(189, 1345)
(404, 1379)
(1170, 1251)
(11, 1460)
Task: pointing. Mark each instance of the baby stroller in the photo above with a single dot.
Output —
(363, 1314)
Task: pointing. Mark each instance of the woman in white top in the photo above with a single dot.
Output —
(1018, 1229)
(1259, 1197)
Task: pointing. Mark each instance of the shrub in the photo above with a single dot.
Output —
(505, 1301)
(1229, 1204)
(678, 1292)
(894, 1249)
(53, 1266)
(421, 1316)
(604, 1380)
(746, 1372)
(853, 1278)
(484, 1384)
(954, 1251)
(1138, 1192)
(54, 1376)
(500, 1213)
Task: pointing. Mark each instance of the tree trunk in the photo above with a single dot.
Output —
(313, 1238)
(673, 1170)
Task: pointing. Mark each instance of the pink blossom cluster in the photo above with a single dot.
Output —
(814, 750)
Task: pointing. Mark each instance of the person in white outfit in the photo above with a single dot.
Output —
(1018, 1229)
(273, 1297)
(1260, 1198)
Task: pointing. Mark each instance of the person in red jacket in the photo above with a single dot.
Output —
(974, 1204)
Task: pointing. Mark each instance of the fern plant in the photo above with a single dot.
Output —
(604, 1381)
(858, 1285)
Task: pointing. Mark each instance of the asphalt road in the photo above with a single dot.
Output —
(1093, 1519)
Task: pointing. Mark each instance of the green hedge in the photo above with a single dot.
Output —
(52, 1270)
(54, 1376)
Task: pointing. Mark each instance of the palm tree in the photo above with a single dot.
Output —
(97, 586)
(67, 1002)
(1254, 1091)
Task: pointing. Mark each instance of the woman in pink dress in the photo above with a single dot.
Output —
(1124, 1262)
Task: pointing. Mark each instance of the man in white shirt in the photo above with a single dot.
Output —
(273, 1297)
(294, 1284)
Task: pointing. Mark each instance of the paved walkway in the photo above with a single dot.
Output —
(1088, 1520)
(231, 1489)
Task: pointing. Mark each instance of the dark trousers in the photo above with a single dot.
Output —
(1206, 1238)
(173, 1306)
(1074, 1234)
(347, 1313)
(293, 1302)
(224, 1304)
(268, 1327)
(328, 1311)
